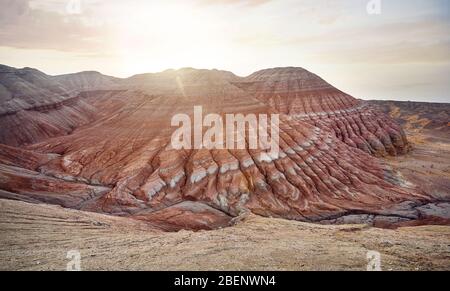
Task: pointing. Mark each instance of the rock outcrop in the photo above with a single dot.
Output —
(324, 169)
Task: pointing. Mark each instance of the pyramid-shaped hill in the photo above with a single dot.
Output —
(306, 96)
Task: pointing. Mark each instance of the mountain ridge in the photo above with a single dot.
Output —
(108, 149)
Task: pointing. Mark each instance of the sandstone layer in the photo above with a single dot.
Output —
(307, 97)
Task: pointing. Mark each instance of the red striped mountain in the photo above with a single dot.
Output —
(119, 159)
(307, 97)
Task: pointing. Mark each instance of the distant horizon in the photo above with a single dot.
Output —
(446, 101)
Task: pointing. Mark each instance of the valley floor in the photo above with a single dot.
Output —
(38, 237)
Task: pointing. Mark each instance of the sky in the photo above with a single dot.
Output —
(398, 50)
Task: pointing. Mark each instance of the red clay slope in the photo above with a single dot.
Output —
(307, 97)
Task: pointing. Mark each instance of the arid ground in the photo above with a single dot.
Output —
(38, 237)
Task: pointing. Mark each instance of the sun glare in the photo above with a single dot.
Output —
(162, 36)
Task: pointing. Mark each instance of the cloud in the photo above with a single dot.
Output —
(22, 25)
(419, 41)
(399, 53)
(250, 3)
(12, 10)
(424, 40)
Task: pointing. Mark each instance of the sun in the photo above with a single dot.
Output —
(163, 35)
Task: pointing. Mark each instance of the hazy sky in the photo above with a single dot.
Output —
(402, 53)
